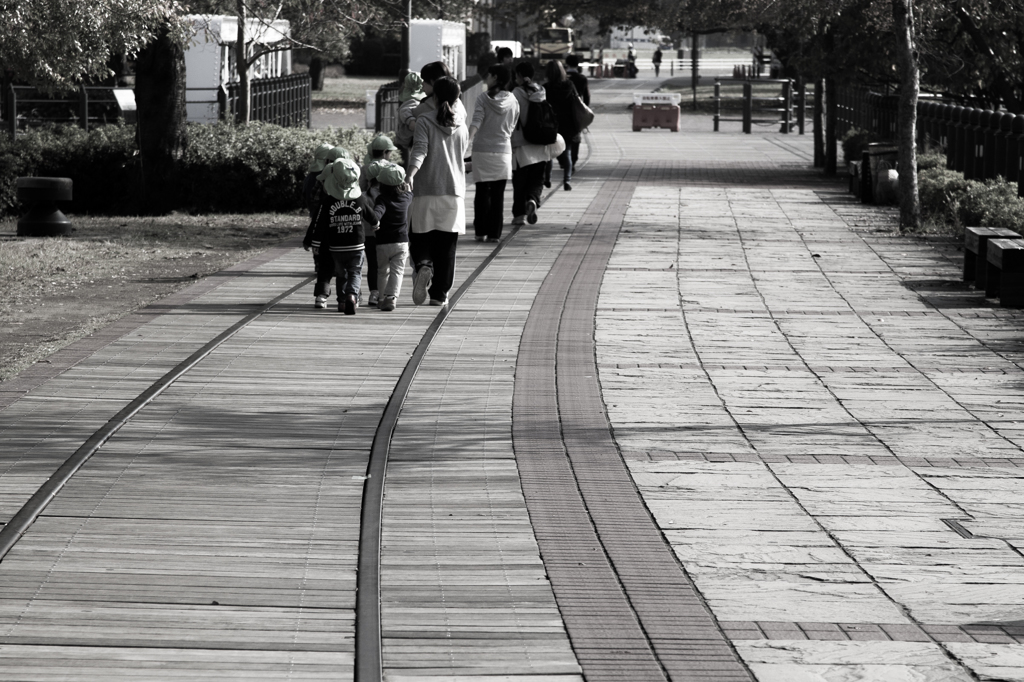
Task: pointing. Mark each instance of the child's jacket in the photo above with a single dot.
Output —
(337, 225)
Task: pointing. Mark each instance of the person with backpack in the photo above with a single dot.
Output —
(561, 93)
(537, 128)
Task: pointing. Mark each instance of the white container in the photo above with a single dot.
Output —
(433, 40)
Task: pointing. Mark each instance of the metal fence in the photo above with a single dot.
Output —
(387, 102)
(25, 106)
(284, 101)
(980, 143)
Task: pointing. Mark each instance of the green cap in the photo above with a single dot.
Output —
(381, 143)
(336, 153)
(412, 88)
(319, 161)
(387, 173)
(341, 179)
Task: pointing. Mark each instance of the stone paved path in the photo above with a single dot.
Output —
(708, 420)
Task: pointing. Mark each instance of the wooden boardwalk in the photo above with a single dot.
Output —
(701, 422)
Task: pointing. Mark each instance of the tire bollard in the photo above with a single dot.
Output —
(41, 195)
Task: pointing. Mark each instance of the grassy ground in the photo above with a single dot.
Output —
(55, 291)
(349, 91)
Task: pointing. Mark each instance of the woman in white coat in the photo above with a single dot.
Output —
(437, 176)
(490, 134)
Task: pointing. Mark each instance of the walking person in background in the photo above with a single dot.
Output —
(530, 159)
(490, 135)
(572, 72)
(437, 177)
(561, 93)
(656, 60)
(631, 61)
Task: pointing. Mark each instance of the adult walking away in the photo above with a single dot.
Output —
(631, 61)
(490, 136)
(529, 159)
(437, 176)
(561, 93)
(656, 60)
(572, 72)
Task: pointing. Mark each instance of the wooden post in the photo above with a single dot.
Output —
(787, 106)
(718, 103)
(83, 108)
(12, 111)
(747, 106)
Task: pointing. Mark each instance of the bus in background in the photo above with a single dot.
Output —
(555, 42)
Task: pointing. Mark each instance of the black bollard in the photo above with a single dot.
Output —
(41, 195)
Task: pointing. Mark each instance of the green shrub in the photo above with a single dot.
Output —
(930, 161)
(947, 197)
(225, 168)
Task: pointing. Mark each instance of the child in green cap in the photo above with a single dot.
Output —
(391, 208)
(380, 148)
(312, 190)
(337, 228)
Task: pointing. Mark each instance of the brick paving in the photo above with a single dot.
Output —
(710, 419)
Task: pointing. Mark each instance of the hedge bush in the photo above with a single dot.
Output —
(225, 168)
(949, 198)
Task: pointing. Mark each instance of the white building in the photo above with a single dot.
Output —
(210, 59)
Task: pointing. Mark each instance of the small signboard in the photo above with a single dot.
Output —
(126, 103)
(641, 98)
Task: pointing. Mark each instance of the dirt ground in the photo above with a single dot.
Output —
(57, 290)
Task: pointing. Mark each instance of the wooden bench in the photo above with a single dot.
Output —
(1006, 272)
(975, 251)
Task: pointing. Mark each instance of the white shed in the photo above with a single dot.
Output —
(434, 40)
(210, 59)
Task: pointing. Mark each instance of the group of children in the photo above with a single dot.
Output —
(357, 212)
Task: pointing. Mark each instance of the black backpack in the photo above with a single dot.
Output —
(541, 124)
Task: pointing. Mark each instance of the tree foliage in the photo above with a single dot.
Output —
(58, 44)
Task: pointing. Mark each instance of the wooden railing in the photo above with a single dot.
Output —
(980, 143)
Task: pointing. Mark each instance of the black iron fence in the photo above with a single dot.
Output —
(980, 143)
(387, 102)
(284, 101)
(25, 107)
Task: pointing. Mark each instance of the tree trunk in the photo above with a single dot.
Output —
(819, 124)
(910, 82)
(242, 66)
(317, 67)
(831, 114)
(160, 101)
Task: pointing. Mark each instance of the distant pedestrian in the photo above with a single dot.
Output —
(530, 159)
(631, 61)
(338, 228)
(572, 72)
(380, 147)
(656, 60)
(437, 176)
(490, 134)
(561, 93)
(312, 194)
(391, 209)
(506, 59)
(410, 96)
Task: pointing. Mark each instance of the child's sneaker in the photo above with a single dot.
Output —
(387, 303)
(373, 300)
(420, 284)
(320, 302)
